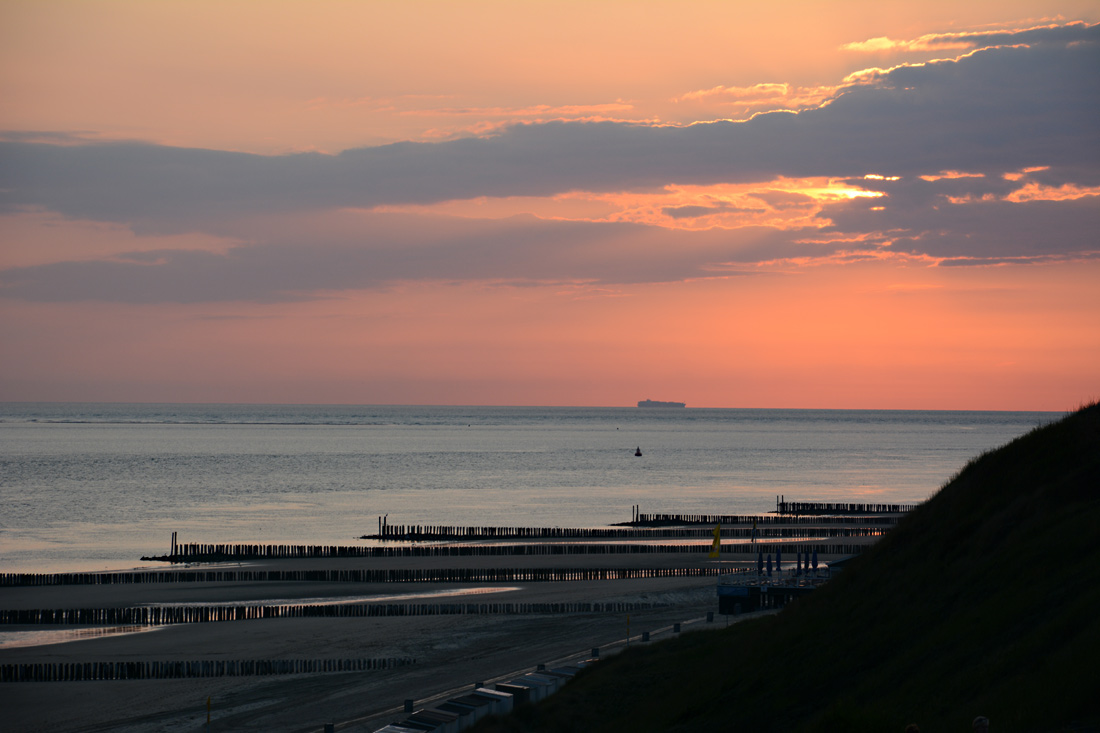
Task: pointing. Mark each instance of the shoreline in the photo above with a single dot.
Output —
(451, 651)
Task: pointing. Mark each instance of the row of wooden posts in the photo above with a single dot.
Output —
(167, 615)
(212, 553)
(886, 514)
(364, 575)
(161, 670)
(419, 533)
(782, 506)
(636, 530)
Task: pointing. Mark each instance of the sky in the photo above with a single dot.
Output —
(843, 204)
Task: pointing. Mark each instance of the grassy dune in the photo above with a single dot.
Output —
(985, 600)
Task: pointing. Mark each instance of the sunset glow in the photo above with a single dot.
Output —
(781, 204)
(843, 205)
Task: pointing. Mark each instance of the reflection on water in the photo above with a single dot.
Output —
(95, 487)
(339, 600)
(12, 639)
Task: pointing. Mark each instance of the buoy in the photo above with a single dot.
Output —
(638, 452)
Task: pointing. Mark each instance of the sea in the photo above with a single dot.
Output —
(88, 487)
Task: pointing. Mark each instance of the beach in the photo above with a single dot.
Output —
(451, 652)
(95, 488)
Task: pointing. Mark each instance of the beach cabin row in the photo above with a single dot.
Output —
(459, 713)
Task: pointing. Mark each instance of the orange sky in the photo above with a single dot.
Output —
(561, 231)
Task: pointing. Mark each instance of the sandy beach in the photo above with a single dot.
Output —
(451, 652)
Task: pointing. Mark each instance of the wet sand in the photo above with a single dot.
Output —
(451, 652)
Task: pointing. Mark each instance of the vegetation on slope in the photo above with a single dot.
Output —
(984, 600)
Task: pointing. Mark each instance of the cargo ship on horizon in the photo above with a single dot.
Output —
(658, 403)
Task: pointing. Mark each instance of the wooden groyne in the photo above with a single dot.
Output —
(358, 575)
(236, 553)
(170, 670)
(645, 526)
(824, 514)
(821, 507)
(431, 575)
(169, 615)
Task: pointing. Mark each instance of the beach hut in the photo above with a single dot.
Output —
(568, 671)
(520, 693)
(561, 674)
(553, 681)
(440, 721)
(479, 706)
(537, 689)
(467, 714)
(502, 702)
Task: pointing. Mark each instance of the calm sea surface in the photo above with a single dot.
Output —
(96, 486)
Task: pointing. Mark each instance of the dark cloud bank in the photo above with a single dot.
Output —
(996, 111)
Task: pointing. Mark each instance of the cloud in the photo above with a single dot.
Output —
(695, 211)
(1020, 122)
(784, 199)
(756, 92)
(537, 110)
(79, 137)
(761, 97)
(991, 222)
(1065, 33)
(294, 258)
(1003, 108)
(300, 262)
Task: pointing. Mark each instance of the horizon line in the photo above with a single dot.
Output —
(528, 406)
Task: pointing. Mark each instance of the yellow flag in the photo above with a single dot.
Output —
(716, 546)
